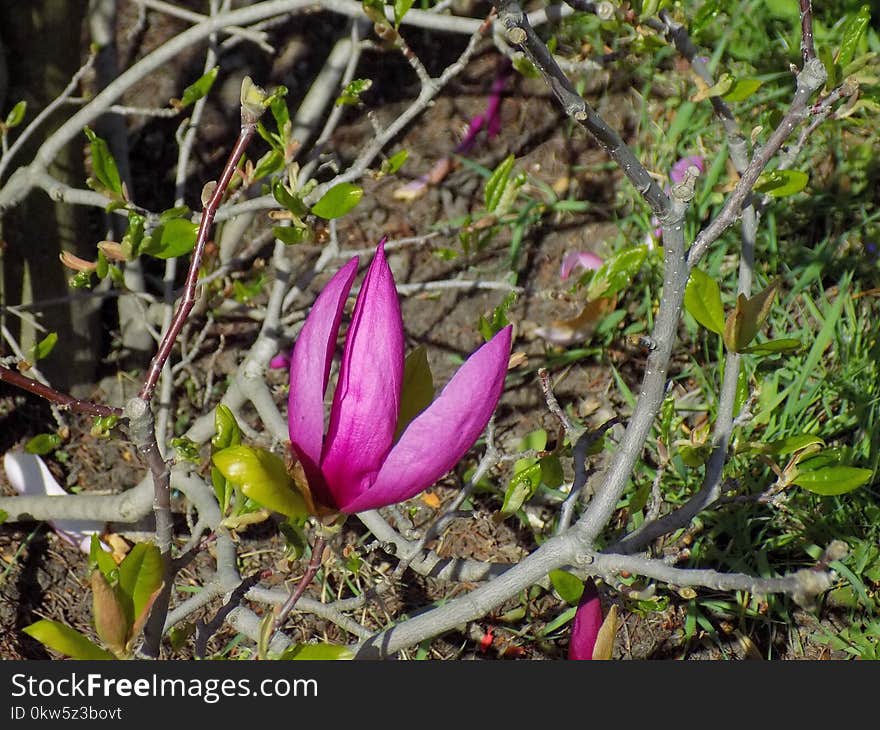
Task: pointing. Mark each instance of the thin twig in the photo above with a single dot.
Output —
(311, 570)
(64, 401)
(808, 50)
(248, 128)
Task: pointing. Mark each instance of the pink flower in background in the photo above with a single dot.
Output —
(357, 465)
(676, 174)
(585, 260)
(491, 118)
(587, 622)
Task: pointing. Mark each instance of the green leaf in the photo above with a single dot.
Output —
(617, 272)
(226, 429)
(522, 486)
(351, 94)
(832, 70)
(330, 652)
(140, 580)
(103, 164)
(853, 32)
(180, 211)
(290, 201)
(172, 239)
(497, 183)
(101, 559)
(102, 425)
(292, 235)
(394, 163)
(401, 8)
(551, 471)
(833, 480)
(102, 267)
(80, 280)
(134, 236)
(533, 441)
(4, 515)
(702, 298)
(337, 201)
(791, 444)
(197, 89)
(781, 183)
(43, 443)
(375, 10)
(742, 89)
(568, 586)
(417, 390)
(498, 320)
(65, 640)
(773, 347)
(186, 449)
(525, 67)
(269, 164)
(747, 317)
(262, 477)
(707, 12)
(721, 87)
(16, 115)
(279, 109)
(109, 615)
(44, 347)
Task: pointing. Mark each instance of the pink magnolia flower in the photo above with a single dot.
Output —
(357, 465)
(587, 622)
(586, 260)
(676, 174)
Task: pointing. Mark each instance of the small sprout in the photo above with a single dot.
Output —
(112, 250)
(253, 101)
(72, 261)
(208, 192)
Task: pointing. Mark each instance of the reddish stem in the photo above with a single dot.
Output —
(808, 50)
(63, 400)
(189, 293)
(311, 570)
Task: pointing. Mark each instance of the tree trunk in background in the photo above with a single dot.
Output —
(42, 40)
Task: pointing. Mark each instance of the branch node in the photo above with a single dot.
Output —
(516, 35)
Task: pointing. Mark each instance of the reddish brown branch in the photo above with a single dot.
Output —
(808, 50)
(311, 570)
(63, 400)
(189, 293)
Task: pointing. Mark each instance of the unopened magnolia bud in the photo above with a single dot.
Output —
(208, 192)
(252, 101)
(72, 261)
(112, 250)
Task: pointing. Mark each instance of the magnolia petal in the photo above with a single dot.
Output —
(437, 438)
(310, 368)
(586, 625)
(30, 477)
(585, 260)
(677, 173)
(363, 418)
